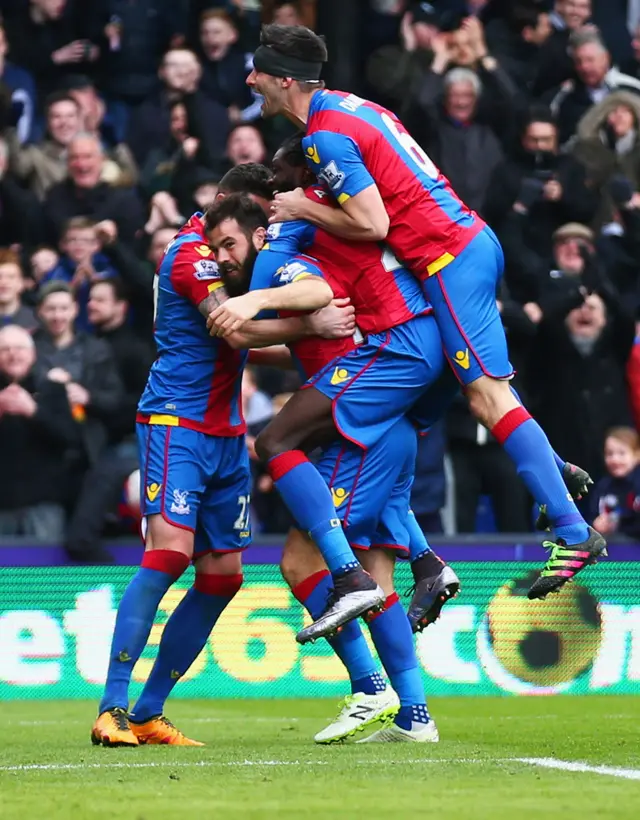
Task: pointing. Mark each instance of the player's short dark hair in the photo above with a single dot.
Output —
(117, 285)
(248, 178)
(292, 151)
(53, 287)
(295, 41)
(240, 207)
(524, 15)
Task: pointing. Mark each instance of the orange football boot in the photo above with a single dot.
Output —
(112, 728)
(160, 731)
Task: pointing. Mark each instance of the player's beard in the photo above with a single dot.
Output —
(237, 278)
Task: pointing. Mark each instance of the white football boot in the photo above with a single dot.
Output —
(422, 733)
(358, 711)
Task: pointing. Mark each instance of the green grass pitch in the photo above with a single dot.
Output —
(493, 761)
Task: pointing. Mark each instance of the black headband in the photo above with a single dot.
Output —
(269, 61)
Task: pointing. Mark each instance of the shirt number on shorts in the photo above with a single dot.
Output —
(411, 148)
(242, 521)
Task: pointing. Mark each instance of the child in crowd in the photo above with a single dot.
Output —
(616, 497)
(81, 263)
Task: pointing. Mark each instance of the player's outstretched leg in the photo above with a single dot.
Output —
(393, 640)
(217, 581)
(159, 570)
(435, 582)
(577, 480)
(576, 545)
(309, 500)
(371, 699)
(464, 301)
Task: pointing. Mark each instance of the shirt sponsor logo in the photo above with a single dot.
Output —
(339, 496)
(461, 358)
(340, 376)
(313, 155)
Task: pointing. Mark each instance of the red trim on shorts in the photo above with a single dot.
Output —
(353, 490)
(145, 478)
(169, 561)
(279, 466)
(165, 473)
(302, 590)
(348, 384)
(396, 547)
(343, 450)
(508, 423)
(226, 586)
(438, 276)
(389, 602)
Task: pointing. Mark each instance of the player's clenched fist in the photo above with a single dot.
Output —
(288, 206)
(233, 314)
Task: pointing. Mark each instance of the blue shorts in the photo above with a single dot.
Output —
(463, 295)
(434, 402)
(197, 482)
(373, 386)
(371, 488)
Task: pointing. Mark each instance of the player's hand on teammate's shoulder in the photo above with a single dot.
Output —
(335, 321)
(288, 206)
(233, 314)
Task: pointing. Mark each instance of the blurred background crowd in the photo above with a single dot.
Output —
(118, 118)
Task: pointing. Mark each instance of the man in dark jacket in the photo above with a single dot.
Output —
(36, 431)
(150, 125)
(137, 34)
(83, 364)
(532, 194)
(517, 41)
(596, 79)
(225, 67)
(82, 194)
(50, 38)
(578, 371)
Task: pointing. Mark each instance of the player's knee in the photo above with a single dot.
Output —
(227, 565)
(489, 399)
(162, 535)
(300, 559)
(269, 444)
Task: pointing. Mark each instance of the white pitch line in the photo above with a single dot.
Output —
(576, 766)
(544, 762)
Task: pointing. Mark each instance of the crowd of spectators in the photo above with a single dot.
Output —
(118, 118)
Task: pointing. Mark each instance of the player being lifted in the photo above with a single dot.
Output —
(390, 190)
(195, 485)
(372, 487)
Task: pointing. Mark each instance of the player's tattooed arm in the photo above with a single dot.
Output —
(361, 217)
(213, 301)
